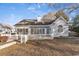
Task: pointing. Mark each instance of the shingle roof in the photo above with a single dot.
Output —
(7, 26)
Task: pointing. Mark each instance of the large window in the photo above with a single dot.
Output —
(48, 31)
(60, 28)
(18, 31)
(32, 30)
(37, 31)
(22, 31)
(40, 30)
(26, 31)
(0, 30)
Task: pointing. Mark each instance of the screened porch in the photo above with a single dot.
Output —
(35, 32)
(40, 33)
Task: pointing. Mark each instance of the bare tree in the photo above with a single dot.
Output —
(70, 9)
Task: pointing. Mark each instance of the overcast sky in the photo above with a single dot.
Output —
(12, 13)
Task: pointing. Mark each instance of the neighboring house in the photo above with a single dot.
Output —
(5, 29)
(46, 27)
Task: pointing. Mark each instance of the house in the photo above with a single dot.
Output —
(48, 26)
(5, 32)
(5, 29)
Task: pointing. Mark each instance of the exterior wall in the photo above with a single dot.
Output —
(41, 35)
(1, 31)
(60, 21)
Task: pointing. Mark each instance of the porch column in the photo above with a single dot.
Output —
(45, 30)
(26, 38)
(29, 31)
(21, 38)
(52, 32)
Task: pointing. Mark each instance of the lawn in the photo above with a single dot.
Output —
(55, 47)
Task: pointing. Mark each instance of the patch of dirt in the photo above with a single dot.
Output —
(55, 47)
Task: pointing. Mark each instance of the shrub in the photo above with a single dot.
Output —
(3, 38)
(76, 29)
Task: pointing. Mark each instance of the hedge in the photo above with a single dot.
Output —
(3, 38)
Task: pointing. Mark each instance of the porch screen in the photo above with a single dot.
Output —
(22, 31)
(40, 30)
(25, 31)
(37, 31)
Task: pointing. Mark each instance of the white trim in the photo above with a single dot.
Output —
(22, 27)
(62, 18)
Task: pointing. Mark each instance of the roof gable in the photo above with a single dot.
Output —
(61, 18)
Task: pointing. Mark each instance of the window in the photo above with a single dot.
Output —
(48, 31)
(43, 31)
(24, 31)
(0, 30)
(37, 31)
(19, 31)
(32, 31)
(60, 28)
